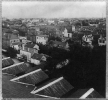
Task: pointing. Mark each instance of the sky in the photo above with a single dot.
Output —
(53, 9)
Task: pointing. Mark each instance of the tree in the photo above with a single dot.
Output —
(54, 38)
(12, 52)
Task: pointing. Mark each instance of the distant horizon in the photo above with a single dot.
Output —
(53, 9)
(60, 18)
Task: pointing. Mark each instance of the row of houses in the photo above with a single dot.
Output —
(88, 40)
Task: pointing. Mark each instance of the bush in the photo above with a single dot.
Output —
(12, 52)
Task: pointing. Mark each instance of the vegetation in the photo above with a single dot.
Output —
(12, 52)
(84, 68)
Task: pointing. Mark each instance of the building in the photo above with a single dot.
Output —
(10, 40)
(7, 62)
(42, 39)
(28, 50)
(87, 39)
(15, 42)
(23, 39)
(101, 41)
(37, 58)
(67, 32)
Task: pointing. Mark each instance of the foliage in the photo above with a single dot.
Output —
(86, 68)
(12, 52)
(54, 38)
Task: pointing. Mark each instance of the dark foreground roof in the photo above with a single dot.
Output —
(7, 62)
(15, 90)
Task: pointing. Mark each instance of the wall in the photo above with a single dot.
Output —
(27, 54)
(34, 61)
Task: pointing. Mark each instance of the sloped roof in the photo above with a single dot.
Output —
(87, 92)
(7, 62)
(56, 88)
(69, 28)
(17, 43)
(32, 78)
(87, 32)
(42, 35)
(14, 37)
(16, 69)
(37, 56)
(30, 45)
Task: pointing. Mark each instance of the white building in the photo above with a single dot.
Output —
(66, 33)
(37, 58)
(15, 42)
(87, 38)
(101, 41)
(42, 39)
(28, 50)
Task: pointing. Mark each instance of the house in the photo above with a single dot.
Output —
(67, 32)
(87, 38)
(102, 41)
(37, 58)
(76, 27)
(62, 45)
(15, 42)
(10, 40)
(23, 39)
(32, 33)
(28, 50)
(42, 39)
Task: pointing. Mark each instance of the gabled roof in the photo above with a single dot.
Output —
(17, 43)
(16, 69)
(87, 32)
(69, 29)
(86, 93)
(30, 45)
(64, 87)
(14, 37)
(28, 79)
(42, 35)
(37, 56)
(7, 62)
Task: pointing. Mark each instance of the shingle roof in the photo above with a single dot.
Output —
(30, 45)
(7, 62)
(37, 56)
(32, 78)
(18, 43)
(42, 35)
(69, 28)
(86, 93)
(56, 88)
(14, 36)
(16, 69)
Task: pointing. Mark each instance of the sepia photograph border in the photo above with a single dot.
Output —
(51, 1)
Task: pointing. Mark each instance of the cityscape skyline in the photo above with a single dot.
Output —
(40, 9)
